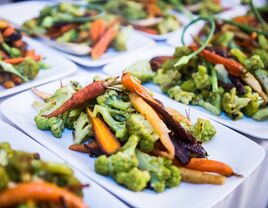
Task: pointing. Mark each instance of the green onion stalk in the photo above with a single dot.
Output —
(185, 59)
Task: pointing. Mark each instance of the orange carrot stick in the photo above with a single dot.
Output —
(18, 43)
(205, 165)
(97, 29)
(104, 42)
(14, 60)
(8, 31)
(107, 142)
(146, 29)
(38, 191)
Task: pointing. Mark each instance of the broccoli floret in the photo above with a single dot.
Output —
(57, 127)
(254, 104)
(180, 95)
(203, 130)
(54, 124)
(167, 79)
(232, 104)
(141, 70)
(118, 127)
(163, 173)
(82, 128)
(201, 78)
(29, 68)
(134, 179)
(138, 125)
(72, 117)
(122, 161)
(168, 24)
(111, 98)
(188, 85)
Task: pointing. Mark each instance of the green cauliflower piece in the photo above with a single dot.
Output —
(141, 70)
(167, 79)
(254, 63)
(170, 23)
(72, 117)
(232, 104)
(254, 104)
(203, 130)
(118, 127)
(82, 128)
(188, 85)
(163, 173)
(112, 99)
(28, 68)
(122, 161)
(134, 179)
(263, 54)
(120, 41)
(201, 78)
(138, 125)
(180, 95)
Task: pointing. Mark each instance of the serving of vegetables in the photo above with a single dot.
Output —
(153, 17)
(79, 24)
(138, 141)
(28, 181)
(215, 74)
(18, 63)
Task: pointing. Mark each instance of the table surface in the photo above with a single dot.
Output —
(252, 193)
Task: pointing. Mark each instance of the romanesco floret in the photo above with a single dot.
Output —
(82, 128)
(141, 70)
(201, 78)
(180, 95)
(163, 173)
(232, 104)
(138, 125)
(254, 104)
(167, 79)
(122, 161)
(134, 179)
(203, 130)
(119, 127)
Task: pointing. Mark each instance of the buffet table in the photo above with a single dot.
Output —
(251, 193)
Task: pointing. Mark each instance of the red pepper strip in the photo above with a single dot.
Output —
(233, 67)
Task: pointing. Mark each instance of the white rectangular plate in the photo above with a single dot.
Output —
(59, 67)
(175, 39)
(246, 125)
(94, 195)
(18, 13)
(228, 146)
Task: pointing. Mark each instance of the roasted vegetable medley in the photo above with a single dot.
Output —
(138, 141)
(28, 181)
(18, 63)
(72, 23)
(152, 16)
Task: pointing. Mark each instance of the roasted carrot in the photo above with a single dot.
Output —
(158, 125)
(206, 165)
(38, 191)
(233, 67)
(134, 85)
(97, 29)
(14, 60)
(198, 177)
(146, 29)
(178, 116)
(101, 46)
(8, 31)
(30, 53)
(80, 97)
(107, 142)
(79, 148)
